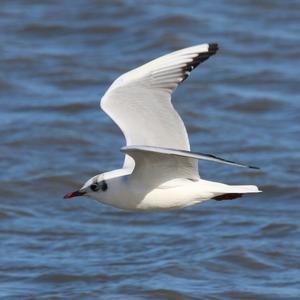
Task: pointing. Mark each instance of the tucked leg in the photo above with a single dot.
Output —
(229, 196)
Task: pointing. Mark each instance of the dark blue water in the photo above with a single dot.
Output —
(57, 59)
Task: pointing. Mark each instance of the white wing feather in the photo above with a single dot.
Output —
(156, 165)
(139, 101)
(154, 168)
(183, 154)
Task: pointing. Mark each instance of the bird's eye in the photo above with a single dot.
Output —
(95, 187)
(104, 186)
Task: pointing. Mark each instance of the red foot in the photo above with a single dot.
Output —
(229, 196)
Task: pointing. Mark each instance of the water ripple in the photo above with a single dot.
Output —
(57, 61)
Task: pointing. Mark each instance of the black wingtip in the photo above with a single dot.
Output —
(213, 48)
(253, 167)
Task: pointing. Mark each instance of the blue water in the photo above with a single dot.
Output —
(57, 59)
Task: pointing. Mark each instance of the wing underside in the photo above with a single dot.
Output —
(139, 101)
(184, 154)
(157, 165)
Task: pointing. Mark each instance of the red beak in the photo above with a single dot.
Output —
(73, 194)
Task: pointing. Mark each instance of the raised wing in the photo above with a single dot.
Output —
(139, 101)
(163, 164)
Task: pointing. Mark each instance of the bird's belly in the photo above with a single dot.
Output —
(171, 198)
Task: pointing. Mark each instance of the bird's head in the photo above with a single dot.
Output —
(101, 185)
(96, 184)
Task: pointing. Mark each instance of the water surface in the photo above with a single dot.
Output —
(57, 59)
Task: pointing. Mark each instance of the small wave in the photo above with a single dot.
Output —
(166, 294)
(6, 86)
(102, 29)
(75, 83)
(65, 278)
(176, 20)
(278, 230)
(4, 215)
(243, 260)
(256, 106)
(45, 30)
(64, 108)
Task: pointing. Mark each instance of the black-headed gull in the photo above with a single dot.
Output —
(159, 171)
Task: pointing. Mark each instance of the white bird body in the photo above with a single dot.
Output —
(133, 194)
(159, 171)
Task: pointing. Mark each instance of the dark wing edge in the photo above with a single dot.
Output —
(201, 57)
(184, 153)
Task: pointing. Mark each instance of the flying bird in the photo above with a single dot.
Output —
(159, 171)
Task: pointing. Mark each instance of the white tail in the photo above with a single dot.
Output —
(229, 192)
(221, 188)
(242, 189)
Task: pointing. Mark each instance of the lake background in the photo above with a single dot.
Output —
(57, 59)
